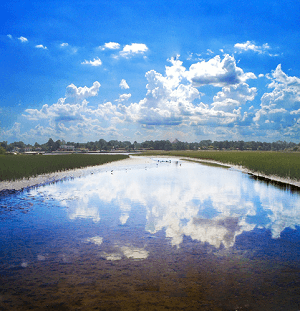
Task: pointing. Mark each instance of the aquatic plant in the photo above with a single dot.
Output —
(20, 166)
(282, 164)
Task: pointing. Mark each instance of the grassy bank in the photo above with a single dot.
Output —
(19, 166)
(282, 164)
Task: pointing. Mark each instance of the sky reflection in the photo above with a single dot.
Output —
(207, 204)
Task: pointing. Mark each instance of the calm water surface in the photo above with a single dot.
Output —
(159, 236)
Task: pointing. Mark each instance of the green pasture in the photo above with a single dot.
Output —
(13, 167)
(282, 164)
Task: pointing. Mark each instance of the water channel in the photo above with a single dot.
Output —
(163, 235)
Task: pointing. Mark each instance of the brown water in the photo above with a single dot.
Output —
(161, 236)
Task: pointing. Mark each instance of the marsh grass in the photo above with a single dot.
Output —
(282, 164)
(20, 166)
(209, 163)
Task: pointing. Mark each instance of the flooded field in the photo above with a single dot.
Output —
(164, 235)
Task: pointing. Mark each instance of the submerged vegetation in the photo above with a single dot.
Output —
(282, 164)
(17, 167)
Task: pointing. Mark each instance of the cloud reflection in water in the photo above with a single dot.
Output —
(207, 204)
(130, 252)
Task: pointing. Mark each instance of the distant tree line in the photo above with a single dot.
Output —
(103, 145)
(220, 145)
(52, 145)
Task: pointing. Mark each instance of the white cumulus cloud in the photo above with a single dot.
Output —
(23, 39)
(40, 46)
(133, 49)
(166, 99)
(233, 96)
(82, 92)
(111, 46)
(218, 72)
(174, 102)
(250, 46)
(279, 107)
(95, 62)
(123, 84)
(172, 99)
(72, 116)
(124, 97)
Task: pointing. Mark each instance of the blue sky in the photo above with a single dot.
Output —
(142, 70)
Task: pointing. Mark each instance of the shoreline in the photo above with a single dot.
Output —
(274, 178)
(40, 180)
(21, 184)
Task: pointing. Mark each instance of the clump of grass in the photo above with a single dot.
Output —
(20, 166)
(209, 163)
(282, 164)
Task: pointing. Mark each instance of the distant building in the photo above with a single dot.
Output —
(66, 148)
(16, 149)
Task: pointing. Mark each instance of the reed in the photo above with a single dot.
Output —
(20, 166)
(282, 164)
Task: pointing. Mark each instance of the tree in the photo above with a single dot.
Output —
(50, 144)
(102, 144)
(168, 145)
(2, 150)
(3, 144)
(241, 144)
(136, 145)
(179, 145)
(56, 145)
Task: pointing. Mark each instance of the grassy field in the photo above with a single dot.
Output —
(282, 164)
(19, 166)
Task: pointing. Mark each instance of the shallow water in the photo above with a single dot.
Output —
(164, 235)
